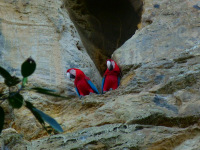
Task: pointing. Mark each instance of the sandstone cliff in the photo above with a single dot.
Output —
(157, 105)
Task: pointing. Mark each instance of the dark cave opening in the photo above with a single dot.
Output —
(104, 25)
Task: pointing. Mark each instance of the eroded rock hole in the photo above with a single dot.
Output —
(104, 25)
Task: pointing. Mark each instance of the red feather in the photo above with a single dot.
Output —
(111, 77)
(81, 82)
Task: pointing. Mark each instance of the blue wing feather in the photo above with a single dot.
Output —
(92, 86)
(118, 80)
(102, 85)
(77, 92)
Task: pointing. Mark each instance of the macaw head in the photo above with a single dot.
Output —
(71, 73)
(111, 64)
(75, 73)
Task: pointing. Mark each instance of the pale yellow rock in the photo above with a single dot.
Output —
(156, 106)
(43, 30)
(173, 30)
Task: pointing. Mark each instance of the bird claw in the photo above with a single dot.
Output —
(107, 91)
(91, 93)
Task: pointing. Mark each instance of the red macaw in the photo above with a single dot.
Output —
(111, 77)
(82, 83)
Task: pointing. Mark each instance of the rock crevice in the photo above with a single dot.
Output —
(104, 25)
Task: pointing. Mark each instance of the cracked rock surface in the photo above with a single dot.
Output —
(43, 30)
(156, 106)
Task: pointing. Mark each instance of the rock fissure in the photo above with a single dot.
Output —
(104, 25)
(162, 120)
(24, 24)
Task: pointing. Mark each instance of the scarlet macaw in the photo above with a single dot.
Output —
(111, 77)
(83, 84)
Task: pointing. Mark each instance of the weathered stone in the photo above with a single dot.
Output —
(190, 144)
(43, 30)
(169, 36)
(10, 139)
(156, 106)
(116, 137)
(112, 107)
(104, 25)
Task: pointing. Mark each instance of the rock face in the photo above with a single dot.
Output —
(42, 30)
(170, 36)
(115, 136)
(156, 106)
(104, 25)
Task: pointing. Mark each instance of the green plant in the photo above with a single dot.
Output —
(16, 100)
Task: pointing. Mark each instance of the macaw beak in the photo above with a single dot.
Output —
(68, 75)
(109, 65)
